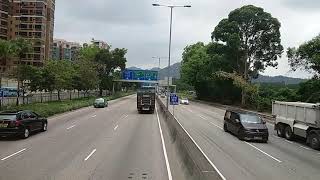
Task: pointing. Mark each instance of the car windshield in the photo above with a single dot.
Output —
(250, 119)
(99, 100)
(7, 117)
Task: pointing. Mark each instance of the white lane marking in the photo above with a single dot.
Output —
(305, 147)
(71, 127)
(93, 151)
(289, 141)
(216, 125)
(164, 147)
(264, 152)
(202, 117)
(94, 116)
(13, 154)
(115, 128)
(214, 166)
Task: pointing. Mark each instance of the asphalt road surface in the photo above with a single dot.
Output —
(240, 160)
(114, 143)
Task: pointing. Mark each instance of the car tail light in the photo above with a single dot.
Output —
(17, 123)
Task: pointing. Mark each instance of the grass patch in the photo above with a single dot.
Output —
(56, 107)
(186, 94)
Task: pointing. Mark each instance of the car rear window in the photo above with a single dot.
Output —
(250, 118)
(8, 117)
(99, 100)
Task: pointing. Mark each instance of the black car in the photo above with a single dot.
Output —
(21, 123)
(247, 126)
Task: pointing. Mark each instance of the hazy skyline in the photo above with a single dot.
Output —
(144, 30)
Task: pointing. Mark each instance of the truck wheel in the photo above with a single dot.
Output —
(280, 130)
(288, 134)
(314, 141)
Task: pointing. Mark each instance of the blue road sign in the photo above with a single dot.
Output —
(174, 99)
(143, 75)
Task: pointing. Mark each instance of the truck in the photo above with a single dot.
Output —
(146, 99)
(298, 119)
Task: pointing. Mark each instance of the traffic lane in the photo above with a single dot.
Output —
(78, 154)
(54, 150)
(298, 160)
(136, 151)
(56, 124)
(297, 147)
(235, 159)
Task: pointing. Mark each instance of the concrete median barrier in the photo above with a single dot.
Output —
(194, 159)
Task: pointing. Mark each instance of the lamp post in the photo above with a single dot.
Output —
(170, 37)
(158, 58)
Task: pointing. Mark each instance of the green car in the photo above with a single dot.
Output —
(100, 103)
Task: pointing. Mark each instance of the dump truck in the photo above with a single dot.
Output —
(298, 119)
(146, 96)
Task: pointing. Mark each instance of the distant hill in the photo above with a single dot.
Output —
(278, 79)
(134, 68)
(175, 73)
(155, 69)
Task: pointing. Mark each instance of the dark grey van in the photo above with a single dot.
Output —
(246, 126)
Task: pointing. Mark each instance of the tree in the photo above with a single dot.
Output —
(58, 75)
(21, 47)
(109, 61)
(199, 67)
(254, 37)
(88, 53)
(6, 53)
(306, 56)
(86, 75)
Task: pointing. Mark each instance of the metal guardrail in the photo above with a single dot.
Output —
(47, 97)
(198, 164)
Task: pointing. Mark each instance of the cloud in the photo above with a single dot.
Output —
(305, 5)
(144, 29)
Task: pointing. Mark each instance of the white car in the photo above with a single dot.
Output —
(184, 101)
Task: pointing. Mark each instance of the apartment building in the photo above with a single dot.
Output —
(4, 14)
(64, 50)
(100, 44)
(32, 20)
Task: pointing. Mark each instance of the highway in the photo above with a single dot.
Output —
(114, 143)
(240, 160)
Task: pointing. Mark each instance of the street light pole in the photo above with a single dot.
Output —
(169, 61)
(170, 38)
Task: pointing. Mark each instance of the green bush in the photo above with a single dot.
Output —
(55, 107)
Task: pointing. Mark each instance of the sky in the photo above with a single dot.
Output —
(144, 30)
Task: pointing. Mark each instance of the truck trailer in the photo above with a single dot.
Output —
(298, 119)
(146, 99)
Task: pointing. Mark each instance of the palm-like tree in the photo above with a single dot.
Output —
(21, 47)
(6, 53)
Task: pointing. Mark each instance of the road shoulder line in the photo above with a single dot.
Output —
(164, 147)
(214, 166)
